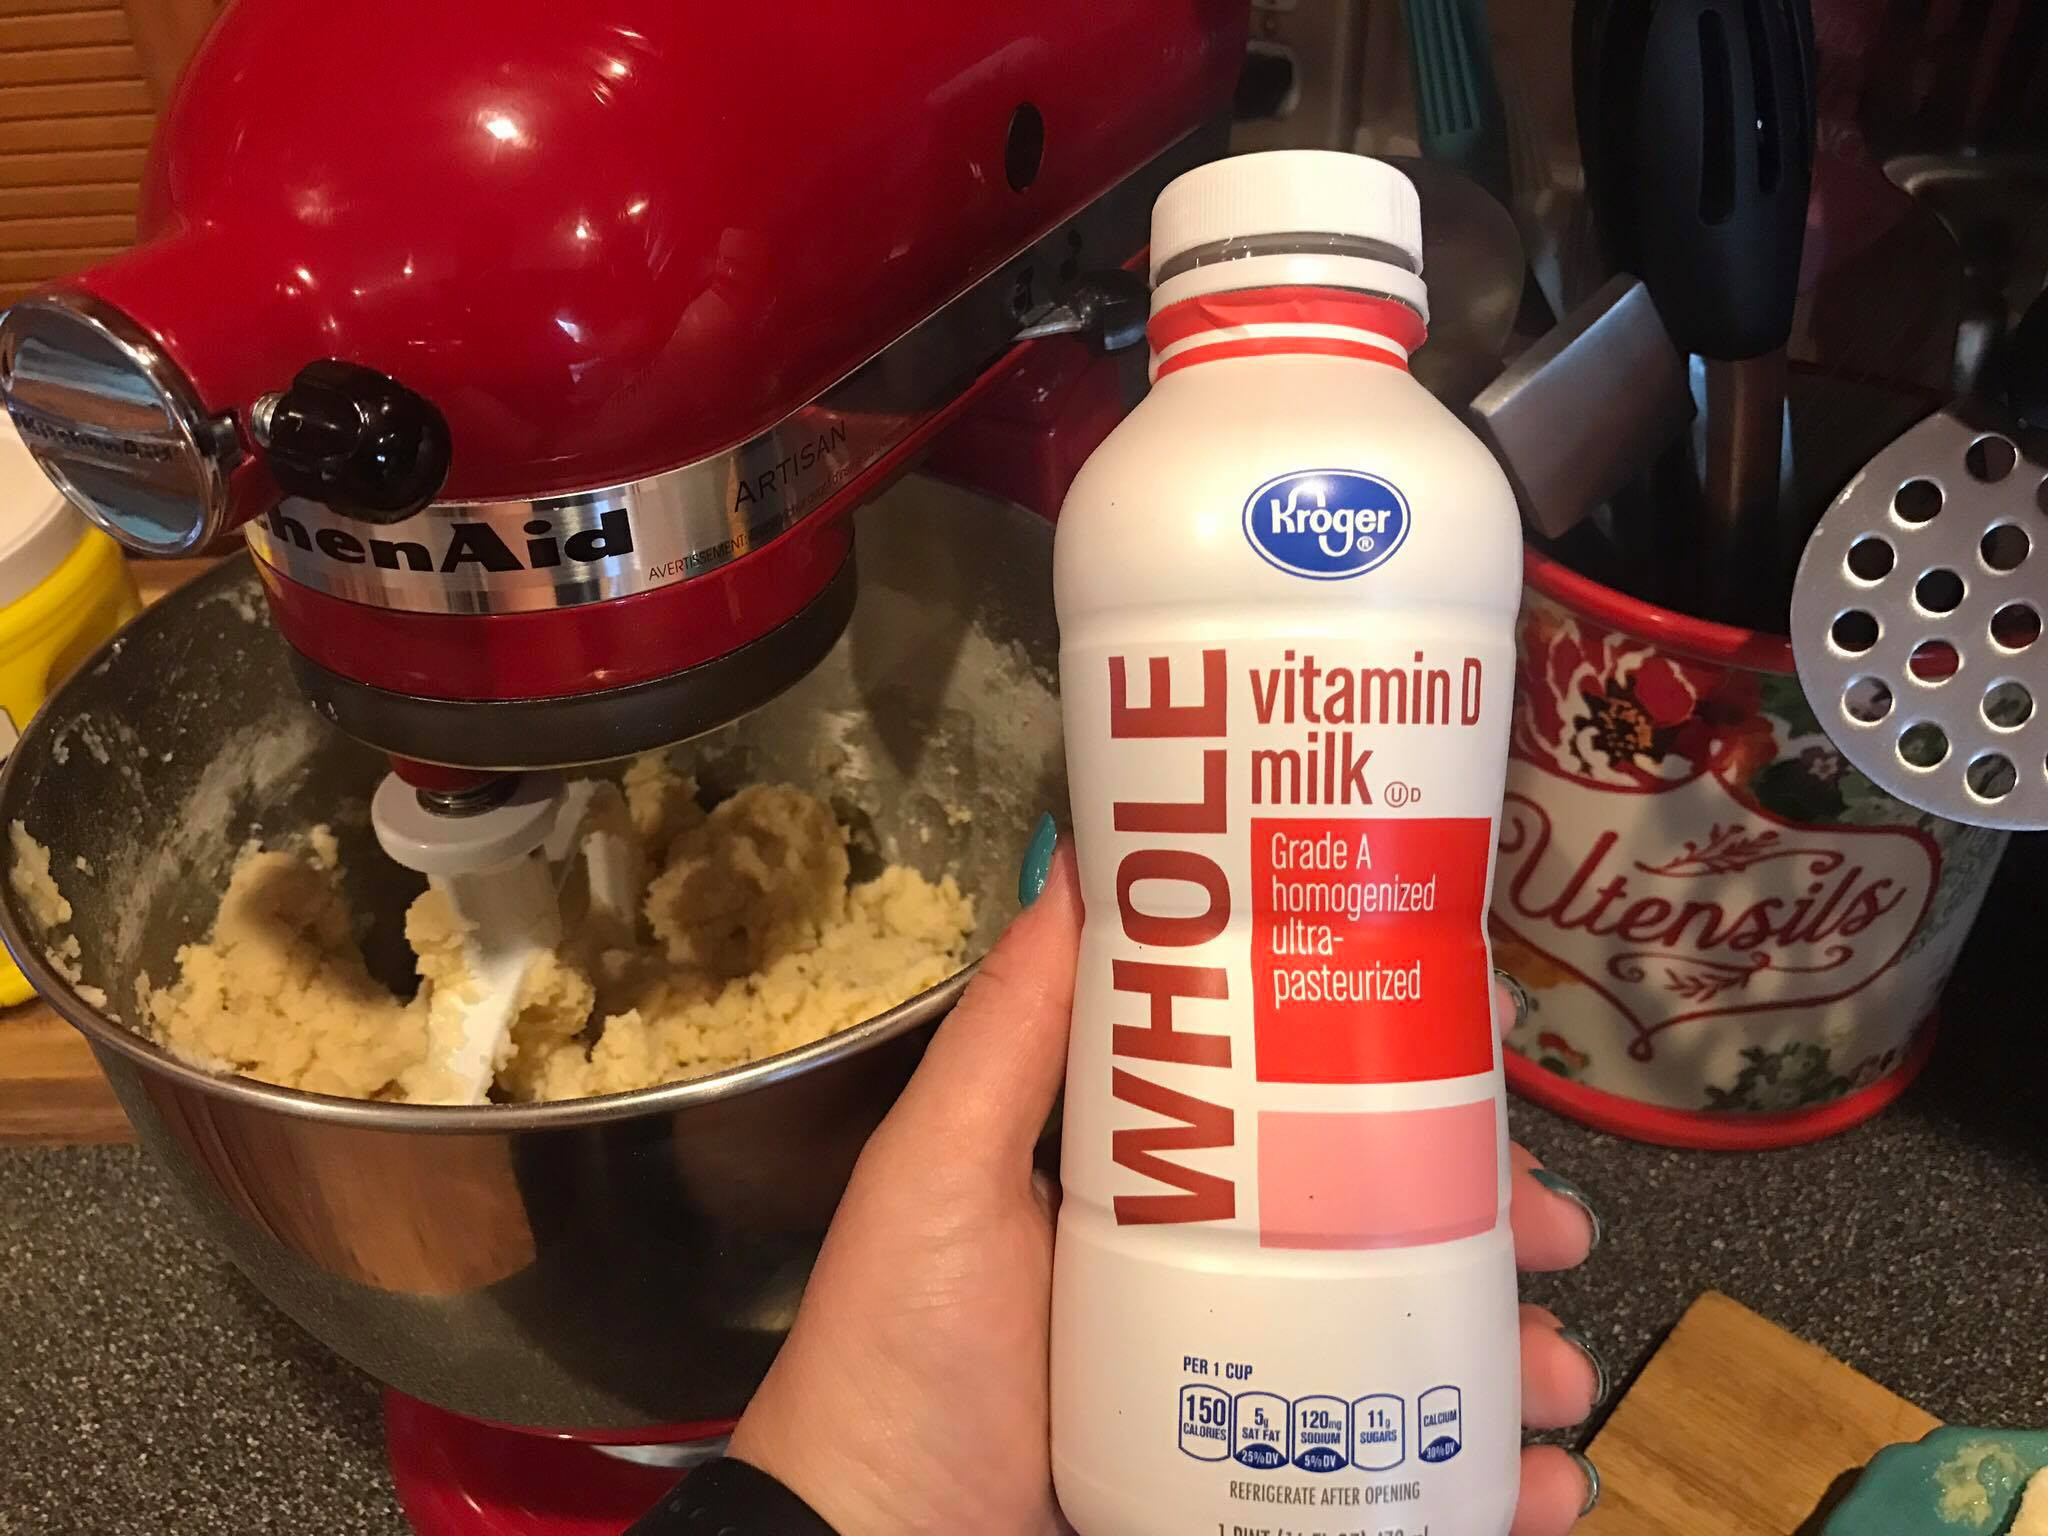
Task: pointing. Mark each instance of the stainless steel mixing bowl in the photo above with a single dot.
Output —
(603, 1264)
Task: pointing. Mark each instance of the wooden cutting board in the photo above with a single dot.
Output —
(1738, 1428)
(51, 1089)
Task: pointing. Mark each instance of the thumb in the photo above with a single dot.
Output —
(988, 1082)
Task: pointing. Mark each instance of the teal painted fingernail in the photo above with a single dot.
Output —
(1558, 1184)
(1037, 866)
(1592, 1476)
(1584, 1346)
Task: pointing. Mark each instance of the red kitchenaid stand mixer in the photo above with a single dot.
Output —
(539, 351)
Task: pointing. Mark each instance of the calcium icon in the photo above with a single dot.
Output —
(1440, 1423)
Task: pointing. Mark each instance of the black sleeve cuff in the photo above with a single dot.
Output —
(730, 1498)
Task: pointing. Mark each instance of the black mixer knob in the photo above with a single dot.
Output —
(354, 438)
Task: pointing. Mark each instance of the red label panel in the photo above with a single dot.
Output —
(1368, 958)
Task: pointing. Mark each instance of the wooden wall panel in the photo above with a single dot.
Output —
(74, 98)
(48, 65)
(57, 171)
(45, 28)
(51, 7)
(80, 84)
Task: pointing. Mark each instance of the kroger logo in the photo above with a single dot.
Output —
(1326, 524)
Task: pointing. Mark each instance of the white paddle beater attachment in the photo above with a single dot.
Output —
(499, 856)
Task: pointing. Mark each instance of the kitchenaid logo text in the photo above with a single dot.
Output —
(44, 432)
(462, 546)
(1326, 524)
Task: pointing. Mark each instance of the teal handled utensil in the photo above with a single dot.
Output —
(1457, 100)
(1954, 1480)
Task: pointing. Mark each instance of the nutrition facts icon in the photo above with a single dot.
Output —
(1440, 1423)
(1205, 1423)
(1260, 1430)
(1319, 1434)
(1379, 1432)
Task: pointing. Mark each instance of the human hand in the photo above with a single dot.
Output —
(911, 1395)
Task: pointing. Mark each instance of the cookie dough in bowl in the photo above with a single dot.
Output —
(751, 940)
(618, 1239)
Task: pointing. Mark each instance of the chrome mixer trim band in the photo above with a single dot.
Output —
(579, 547)
(530, 555)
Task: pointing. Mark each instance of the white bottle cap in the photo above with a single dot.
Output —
(1287, 192)
(39, 528)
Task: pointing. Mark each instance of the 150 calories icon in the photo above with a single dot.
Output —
(1205, 1423)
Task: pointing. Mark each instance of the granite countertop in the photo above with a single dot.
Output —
(145, 1387)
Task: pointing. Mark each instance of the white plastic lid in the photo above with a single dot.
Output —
(39, 528)
(1287, 192)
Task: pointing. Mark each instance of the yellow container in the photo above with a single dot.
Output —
(64, 590)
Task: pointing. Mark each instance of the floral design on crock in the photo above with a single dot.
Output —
(1969, 858)
(1541, 1039)
(1609, 711)
(1817, 784)
(1614, 714)
(1794, 1076)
